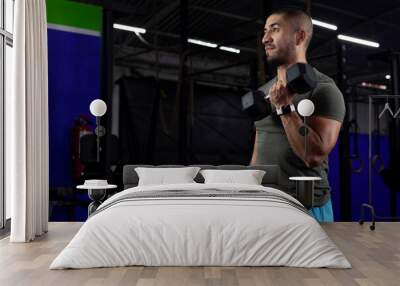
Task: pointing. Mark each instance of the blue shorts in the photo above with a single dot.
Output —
(323, 213)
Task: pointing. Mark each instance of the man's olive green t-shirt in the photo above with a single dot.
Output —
(273, 146)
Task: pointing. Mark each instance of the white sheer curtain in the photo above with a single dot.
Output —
(27, 124)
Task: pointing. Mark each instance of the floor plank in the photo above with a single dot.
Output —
(375, 257)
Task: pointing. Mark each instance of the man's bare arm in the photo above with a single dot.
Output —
(254, 156)
(321, 138)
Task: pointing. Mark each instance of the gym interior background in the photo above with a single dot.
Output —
(172, 101)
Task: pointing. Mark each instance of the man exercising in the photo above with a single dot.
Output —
(280, 138)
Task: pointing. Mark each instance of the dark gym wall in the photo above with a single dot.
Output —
(219, 132)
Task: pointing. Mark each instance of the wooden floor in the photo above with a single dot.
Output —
(375, 256)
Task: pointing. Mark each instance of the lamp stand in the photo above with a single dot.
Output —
(305, 138)
(99, 131)
(98, 138)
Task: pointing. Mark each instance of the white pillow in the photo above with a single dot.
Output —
(165, 176)
(248, 177)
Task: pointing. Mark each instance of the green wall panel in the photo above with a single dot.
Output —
(69, 13)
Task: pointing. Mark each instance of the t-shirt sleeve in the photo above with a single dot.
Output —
(328, 102)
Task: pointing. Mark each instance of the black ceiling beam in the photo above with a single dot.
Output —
(225, 14)
(129, 56)
(162, 14)
(242, 20)
(224, 67)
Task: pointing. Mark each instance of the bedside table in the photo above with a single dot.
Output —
(96, 194)
(305, 189)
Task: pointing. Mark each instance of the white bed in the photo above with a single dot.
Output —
(202, 231)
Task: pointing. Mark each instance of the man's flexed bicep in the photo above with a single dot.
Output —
(328, 131)
(321, 137)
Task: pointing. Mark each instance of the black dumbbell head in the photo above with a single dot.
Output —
(255, 105)
(301, 78)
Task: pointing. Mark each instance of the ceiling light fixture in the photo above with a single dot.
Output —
(374, 85)
(358, 41)
(388, 76)
(324, 25)
(129, 28)
(229, 49)
(202, 43)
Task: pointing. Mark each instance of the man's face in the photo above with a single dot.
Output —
(279, 40)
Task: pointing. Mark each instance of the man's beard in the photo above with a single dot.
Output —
(282, 57)
(275, 61)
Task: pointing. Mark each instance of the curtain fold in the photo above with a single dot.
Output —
(27, 124)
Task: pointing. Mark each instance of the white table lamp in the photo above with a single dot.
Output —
(305, 107)
(98, 107)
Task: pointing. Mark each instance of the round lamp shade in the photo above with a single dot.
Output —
(305, 107)
(98, 107)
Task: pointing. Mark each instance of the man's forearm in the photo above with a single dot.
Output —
(254, 156)
(292, 124)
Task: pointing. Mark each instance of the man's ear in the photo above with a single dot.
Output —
(300, 37)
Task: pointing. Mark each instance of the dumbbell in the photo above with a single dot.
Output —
(254, 103)
(300, 78)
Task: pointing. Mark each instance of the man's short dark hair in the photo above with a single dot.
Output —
(299, 20)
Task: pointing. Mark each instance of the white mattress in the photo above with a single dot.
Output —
(200, 231)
